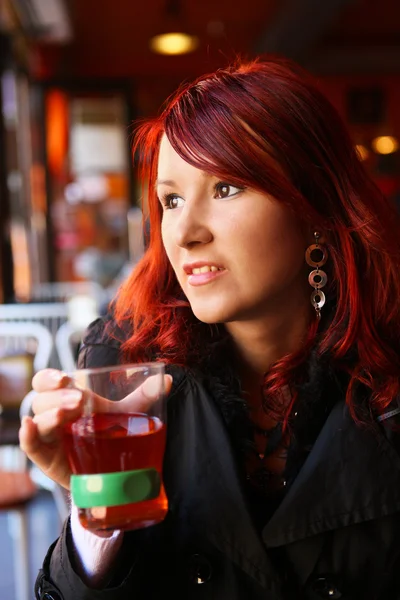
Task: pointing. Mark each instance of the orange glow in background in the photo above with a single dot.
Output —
(57, 131)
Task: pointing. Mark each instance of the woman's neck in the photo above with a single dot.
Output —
(260, 343)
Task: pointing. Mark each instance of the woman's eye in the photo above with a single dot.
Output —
(172, 201)
(225, 190)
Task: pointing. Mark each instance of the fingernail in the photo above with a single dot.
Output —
(71, 398)
(56, 376)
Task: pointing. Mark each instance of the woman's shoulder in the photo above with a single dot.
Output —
(105, 330)
(101, 343)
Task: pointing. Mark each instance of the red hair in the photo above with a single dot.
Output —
(265, 125)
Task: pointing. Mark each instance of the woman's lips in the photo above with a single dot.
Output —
(204, 277)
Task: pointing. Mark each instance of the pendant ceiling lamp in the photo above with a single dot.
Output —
(174, 38)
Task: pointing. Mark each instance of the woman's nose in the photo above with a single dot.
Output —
(192, 228)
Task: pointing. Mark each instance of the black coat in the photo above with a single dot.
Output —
(336, 533)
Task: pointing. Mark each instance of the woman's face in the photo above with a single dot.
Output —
(237, 253)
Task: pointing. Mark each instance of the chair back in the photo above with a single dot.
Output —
(49, 314)
(65, 290)
(68, 340)
(25, 348)
(17, 337)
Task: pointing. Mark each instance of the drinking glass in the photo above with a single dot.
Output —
(115, 448)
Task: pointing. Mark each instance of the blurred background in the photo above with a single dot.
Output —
(74, 76)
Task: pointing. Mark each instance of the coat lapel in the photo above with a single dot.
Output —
(351, 475)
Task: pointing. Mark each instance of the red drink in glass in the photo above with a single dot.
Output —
(112, 442)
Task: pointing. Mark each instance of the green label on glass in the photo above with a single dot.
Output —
(115, 489)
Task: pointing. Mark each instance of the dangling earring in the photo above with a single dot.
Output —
(316, 256)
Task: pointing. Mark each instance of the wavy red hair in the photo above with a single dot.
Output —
(264, 124)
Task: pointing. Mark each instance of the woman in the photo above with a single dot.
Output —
(270, 288)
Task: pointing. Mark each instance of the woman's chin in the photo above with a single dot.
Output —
(211, 316)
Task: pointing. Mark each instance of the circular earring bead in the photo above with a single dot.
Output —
(320, 259)
(318, 299)
(317, 279)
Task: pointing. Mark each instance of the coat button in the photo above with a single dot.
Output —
(200, 569)
(324, 587)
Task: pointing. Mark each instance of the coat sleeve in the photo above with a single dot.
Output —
(58, 578)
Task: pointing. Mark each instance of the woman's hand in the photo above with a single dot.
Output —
(55, 404)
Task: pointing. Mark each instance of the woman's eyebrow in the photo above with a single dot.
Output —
(173, 183)
(169, 182)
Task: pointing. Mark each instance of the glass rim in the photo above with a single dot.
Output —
(121, 367)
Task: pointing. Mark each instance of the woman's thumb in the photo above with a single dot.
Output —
(147, 394)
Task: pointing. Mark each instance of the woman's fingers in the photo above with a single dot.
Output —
(68, 398)
(49, 422)
(44, 455)
(31, 443)
(49, 379)
(28, 436)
